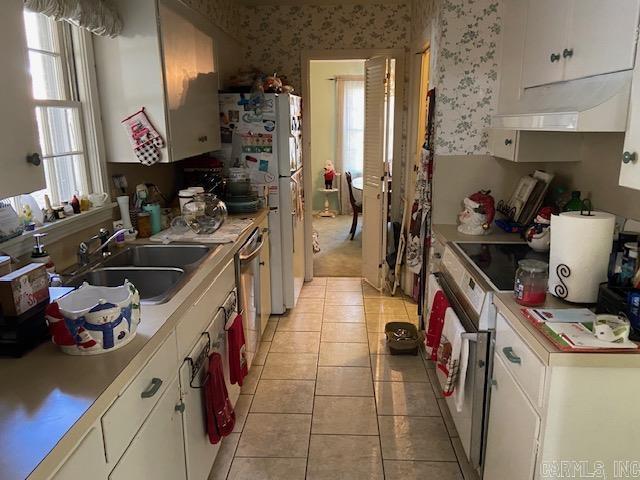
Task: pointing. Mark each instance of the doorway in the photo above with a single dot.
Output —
(339, 82)
(337, 129)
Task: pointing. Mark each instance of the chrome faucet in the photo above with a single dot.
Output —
(84, 252)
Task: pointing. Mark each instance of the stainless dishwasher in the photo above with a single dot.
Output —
(247, 263)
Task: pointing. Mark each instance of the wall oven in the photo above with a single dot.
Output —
(471, 298)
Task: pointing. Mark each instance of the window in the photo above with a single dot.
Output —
(58, 108)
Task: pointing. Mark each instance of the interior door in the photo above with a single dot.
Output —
(374, 204)
(546, 35)
(600, 43)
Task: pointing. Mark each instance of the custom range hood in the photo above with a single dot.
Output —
(594, 104)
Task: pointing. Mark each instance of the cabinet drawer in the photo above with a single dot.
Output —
(197, 318)
(124, 417)
(523, 364)
(502, 143)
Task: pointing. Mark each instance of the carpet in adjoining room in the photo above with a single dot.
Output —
(338, 256)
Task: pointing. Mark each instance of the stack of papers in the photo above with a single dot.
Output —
(574, 327)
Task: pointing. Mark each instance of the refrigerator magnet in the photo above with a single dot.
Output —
(264, 165)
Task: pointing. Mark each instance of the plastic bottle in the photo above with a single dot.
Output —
(575, 204)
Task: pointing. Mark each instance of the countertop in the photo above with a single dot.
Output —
(548, 353)
(49, 399)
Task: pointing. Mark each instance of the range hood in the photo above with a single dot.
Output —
(594, 104)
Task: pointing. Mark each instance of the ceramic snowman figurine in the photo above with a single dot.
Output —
(329, 175)
(107, 324)
(538, 235)
(477, 215)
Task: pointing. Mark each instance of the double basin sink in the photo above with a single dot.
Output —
(157, 271)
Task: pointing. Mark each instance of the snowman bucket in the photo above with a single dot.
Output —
(93, 320)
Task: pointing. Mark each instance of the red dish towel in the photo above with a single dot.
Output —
(238, 368)
(220, 415)
(436, 324)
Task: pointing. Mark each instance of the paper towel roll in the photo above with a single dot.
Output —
(579, 257)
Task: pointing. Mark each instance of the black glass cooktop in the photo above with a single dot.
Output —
(499, 261)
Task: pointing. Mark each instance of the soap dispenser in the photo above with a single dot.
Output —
(39, 253)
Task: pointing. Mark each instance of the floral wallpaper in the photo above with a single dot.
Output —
(224, 13)
(466, 75)
(275, 35)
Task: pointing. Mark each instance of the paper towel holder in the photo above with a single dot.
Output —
(587, 207)
(563, 271)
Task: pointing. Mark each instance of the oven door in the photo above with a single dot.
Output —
(470, 420)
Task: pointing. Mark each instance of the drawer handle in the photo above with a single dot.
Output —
(512, 357)
(181, 407)
(156, 383)
(508, 142)
(567, 53)
(555, 57)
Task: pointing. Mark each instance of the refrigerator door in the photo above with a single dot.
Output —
(292, 228)
(289, 109)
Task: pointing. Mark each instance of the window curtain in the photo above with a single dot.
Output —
(349, 135)
(98, 16)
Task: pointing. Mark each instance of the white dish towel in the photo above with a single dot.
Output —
(453, 358)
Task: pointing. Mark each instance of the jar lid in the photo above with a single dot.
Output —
(186, 193)
(531, 265)
(631, 246)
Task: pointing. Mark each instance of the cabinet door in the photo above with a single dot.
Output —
(513, 430)
(18, 131)
(157, 450)
(602, 38)
(630, 166)
(87, 457)
(502, 143)
(191, 86)
(546, 35)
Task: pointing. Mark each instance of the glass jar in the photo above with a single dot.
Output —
(205, 213)
(531, 282)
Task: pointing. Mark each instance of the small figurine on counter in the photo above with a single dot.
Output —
(478, 213)
(538, 235)
(329, 175)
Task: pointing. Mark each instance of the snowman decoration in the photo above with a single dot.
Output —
(538, 235)
(477, 214)
(108, 324)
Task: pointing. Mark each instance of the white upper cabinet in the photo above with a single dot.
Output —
(18, 130)
(572, 39)
(164, 61)
(630, 167)
(602, 37)
(546, 34)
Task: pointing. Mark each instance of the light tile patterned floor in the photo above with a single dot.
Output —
(325, 400)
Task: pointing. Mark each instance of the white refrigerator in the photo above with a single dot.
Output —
(264, 134)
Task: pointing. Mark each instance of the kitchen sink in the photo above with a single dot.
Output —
(179, 256)
(155, 284)
(157, 271)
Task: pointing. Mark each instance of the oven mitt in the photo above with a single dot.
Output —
(145, 139)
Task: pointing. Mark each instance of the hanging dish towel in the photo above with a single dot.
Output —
(238, 368)
(462, 376)
(436, 323)
(220, 415)
(448, 362)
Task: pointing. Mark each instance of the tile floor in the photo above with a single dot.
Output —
(324, 400)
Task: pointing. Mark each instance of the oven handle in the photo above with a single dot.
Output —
(457, 307)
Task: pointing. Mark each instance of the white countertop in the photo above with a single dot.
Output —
(49, 400)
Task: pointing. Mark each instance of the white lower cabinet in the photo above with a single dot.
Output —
(513, 432)
(157, 449)
(87, 457)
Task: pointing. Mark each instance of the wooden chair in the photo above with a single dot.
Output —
(355, 206)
